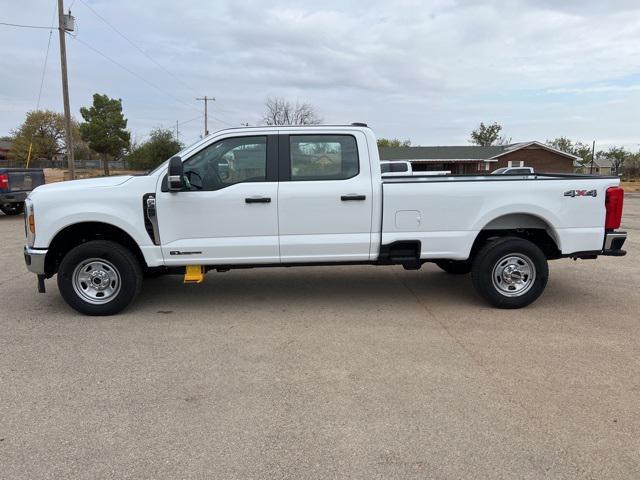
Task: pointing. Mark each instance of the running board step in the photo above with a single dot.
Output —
(194, 274)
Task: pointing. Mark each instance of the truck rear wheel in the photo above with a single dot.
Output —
(99, 278)
(12, 208)
(510, 272)
(455, 267)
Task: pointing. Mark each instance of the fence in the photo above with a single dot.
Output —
(56, 163)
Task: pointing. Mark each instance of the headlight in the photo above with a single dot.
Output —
(29, 222)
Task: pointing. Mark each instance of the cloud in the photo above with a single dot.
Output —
(596, 89)
(425, 71)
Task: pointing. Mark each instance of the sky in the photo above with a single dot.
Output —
(427, 71)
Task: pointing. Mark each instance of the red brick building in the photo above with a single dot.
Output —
(5, 147)
(474, 159)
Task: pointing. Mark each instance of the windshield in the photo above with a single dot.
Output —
(182, 153)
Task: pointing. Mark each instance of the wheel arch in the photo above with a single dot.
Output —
(78, 233)
(526, 225)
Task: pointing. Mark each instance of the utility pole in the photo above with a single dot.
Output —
(593, 156)
(65, 90)
(206, 99)
(177, 132)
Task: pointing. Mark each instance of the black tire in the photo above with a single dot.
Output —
(455, 267)
(12, 208)
(508, 260)
(115, 266)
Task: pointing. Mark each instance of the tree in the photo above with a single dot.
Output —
(280, 111)
(393, 142)
(104, 128)
(161, 145)
(44, 131)
(576, 148)
(617, 156)
(631, 167)
(487, 135)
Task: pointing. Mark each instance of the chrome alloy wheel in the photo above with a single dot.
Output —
(96, 281)
(513, 275)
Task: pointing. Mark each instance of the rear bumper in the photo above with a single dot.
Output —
(34, 259)
(13, 197)
(613, 242)
(612, 247)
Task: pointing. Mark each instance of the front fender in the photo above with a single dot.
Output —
(126, 219)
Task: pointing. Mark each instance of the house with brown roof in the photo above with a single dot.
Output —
(477, 159)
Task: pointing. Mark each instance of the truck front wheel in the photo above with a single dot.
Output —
(99, 277)
(510, 272)
(12, 208)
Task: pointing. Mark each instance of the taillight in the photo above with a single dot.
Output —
(4, 181)
(613, 203)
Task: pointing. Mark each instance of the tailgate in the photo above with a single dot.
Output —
(25, 180)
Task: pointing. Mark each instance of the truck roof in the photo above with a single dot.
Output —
(355, 125)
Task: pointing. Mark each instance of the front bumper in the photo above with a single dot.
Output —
(34, 258)
(613, 242)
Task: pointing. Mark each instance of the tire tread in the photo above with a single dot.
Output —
(130, 273)
(483, 263)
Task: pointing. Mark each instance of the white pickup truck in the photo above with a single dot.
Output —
(313, 195)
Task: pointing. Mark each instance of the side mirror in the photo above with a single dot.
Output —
(175, 181)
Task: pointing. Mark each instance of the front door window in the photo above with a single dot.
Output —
(227, 162)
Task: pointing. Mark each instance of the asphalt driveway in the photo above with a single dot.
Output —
(347, 372)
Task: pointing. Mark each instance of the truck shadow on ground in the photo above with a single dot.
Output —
(309, 288)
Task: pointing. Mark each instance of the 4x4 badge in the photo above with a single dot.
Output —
(581, 193)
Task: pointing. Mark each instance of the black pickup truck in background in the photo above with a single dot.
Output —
(15, 185)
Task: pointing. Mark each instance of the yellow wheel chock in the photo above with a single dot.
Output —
(194, 274)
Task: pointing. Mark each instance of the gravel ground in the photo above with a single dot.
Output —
(345, 372)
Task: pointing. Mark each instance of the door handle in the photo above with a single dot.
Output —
(352, 197)
(257, 200)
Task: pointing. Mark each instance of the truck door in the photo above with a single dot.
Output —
(324, 198)
(228, 211)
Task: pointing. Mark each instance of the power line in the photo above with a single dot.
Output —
(223, 121)
(191, 120)
(115, 62)
(44, 70)
(131, 72)
(136, 46)
(46, 57)
(23, 26)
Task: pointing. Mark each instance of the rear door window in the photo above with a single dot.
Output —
(323, 157)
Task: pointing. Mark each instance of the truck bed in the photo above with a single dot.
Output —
(446, 213)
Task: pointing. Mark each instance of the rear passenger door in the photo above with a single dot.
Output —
(324, 197)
